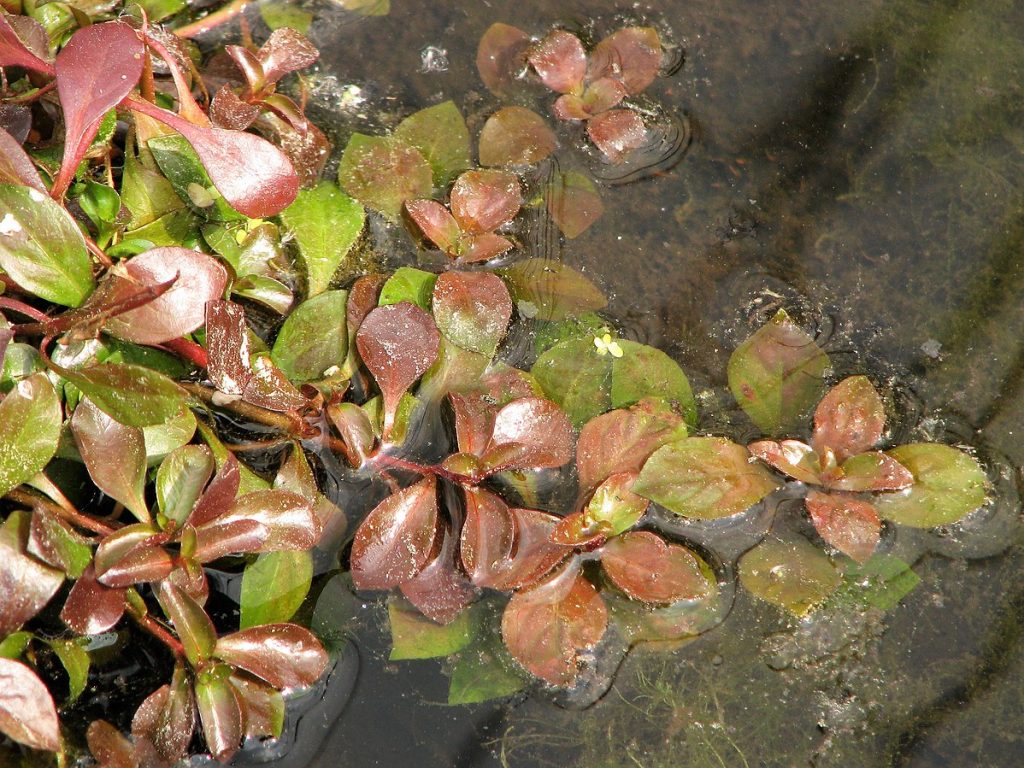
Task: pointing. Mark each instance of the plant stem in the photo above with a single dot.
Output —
(422, 469)
(187, 350)
(22, 308)
(157, 630)
(214, 20)
(285, 422)
(98, 252)
(72, 515)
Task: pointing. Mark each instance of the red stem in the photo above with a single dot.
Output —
(98, 252)
(422, 469)
(71, 515)
(214, 20)
(157, 630)
(23, 308)
(187, 350)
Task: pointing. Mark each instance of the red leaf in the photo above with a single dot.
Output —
(284, 52)
(529, 433)
(849, 419)
(91, 607)
(560, 61)
(472, 309)
(26, 585)
(262, 707)
(630, 54)
(131, 555)
(482, 247)
(15, 165)
(617, 133)
(515, 136)
(579, 530)
(547, 627)
(474, 421)
(287, 517)
(362, 299)
(285, 655)
(219, 494)
(488, 534)
(109, 746)
(534, 555)
(219, 712)
(24, 43)
(440, 591)
(219, 539)
(500, 56)
(27, 713)
(791, 457)
(484, 200)
(436, 224)
(179, 310)
(227, 110)
(167, 718)
(98, 67)
(848, 524)
(647, 568)
(623, 439)
(871, 471)
(254, 176)
(397, 343)
(395, 541)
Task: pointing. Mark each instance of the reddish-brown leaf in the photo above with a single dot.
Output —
(397, 343)
(488, 534)
(219, 712)
(647, 568)
(98, 67)
(179, 310)
(285, 655)
(482, 247)
(617, 133)
(847, 523)
(254, 176)
(26, 585)
(529, 433)
(484, 200)
(580, 530)
(871, 471)
(228, 111)
(362, 299)
(287, 517)
(109, 746)
(474, 421)
(623, 439)
(219, 539)
(501, 56)
(24, 43)
(534, 555)
(547, 628)
(791, 457)
(440, 591)
(131, 555)
(190, 621)
(849, 419)
(631, 55)
(436, 224)
(396, 540)
(472, 309)
(219, 494)
(515, 136)
(262, 707)
(15, 165)
(284, 52)
(91, 607)
(167, 717)
(27, 713)
(560, 61)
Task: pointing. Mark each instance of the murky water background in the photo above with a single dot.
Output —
(860, 163)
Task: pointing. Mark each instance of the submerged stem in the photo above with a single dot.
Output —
(214, 20)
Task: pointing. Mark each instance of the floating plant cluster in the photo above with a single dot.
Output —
(173, 265)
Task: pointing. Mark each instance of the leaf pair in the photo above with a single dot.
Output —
(481, 202)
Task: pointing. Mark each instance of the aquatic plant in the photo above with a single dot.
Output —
(515, 496)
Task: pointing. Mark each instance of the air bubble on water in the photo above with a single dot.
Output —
(433, 59)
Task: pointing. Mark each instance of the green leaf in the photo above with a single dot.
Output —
(131, 394)
(182, 167)
(414, 636)
(482, 672)
(645, 371)
(882, 582)
(326, 224)
(552, 290)
(12, 646)
(314, 338)
(274, 586)
(41, 247)
(794, 575)
(382, 173)
(408, 284)
(548, 334)
(576, 377)
(704, 477)
(190, 621)
(174, 228)
(250, 481)
(180, 481)
(146, 192)
(76, 663)
(161, 439)
(335, 613)
(440, 134)
(777, 375)
(30, 421)
(948, 485)
(285, 14)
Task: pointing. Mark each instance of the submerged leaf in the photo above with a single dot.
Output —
(274, 586)
(500, 56)
(556, 290)
(413, 636)
(440, 134)
(393, 544)
(631, 55)
(849, 419)
(573, 203)
(777, 374)
(383, 172)
(704, 477)
(845, 522)
(560, 61)
(794, 575)
(314, 337)
(548, 627)
(948, 485)
(515, 136)
(472, 309)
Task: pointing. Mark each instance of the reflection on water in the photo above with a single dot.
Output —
(860, 164)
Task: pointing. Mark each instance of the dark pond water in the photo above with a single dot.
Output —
(862, 164)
